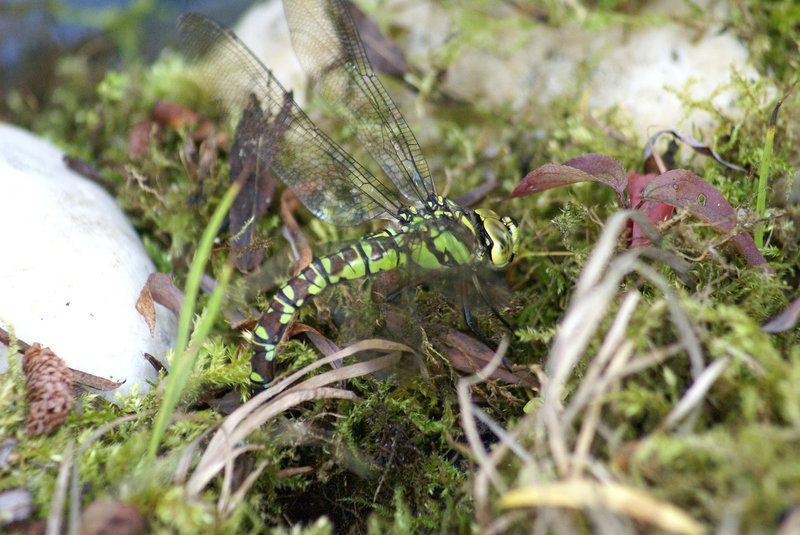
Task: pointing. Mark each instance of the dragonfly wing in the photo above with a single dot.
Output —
(329, 47)
(328, 181)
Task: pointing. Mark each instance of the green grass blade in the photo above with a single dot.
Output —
(183, 360)
(763, 175)
(763, 171)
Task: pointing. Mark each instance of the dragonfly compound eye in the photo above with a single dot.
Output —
(500, 237)
(513, 230)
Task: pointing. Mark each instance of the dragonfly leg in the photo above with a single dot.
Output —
(474, 328)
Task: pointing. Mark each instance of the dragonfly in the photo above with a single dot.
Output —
(426, 230)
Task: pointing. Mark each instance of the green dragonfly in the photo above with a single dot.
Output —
(429, 231)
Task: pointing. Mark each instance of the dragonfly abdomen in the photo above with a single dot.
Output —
(431, 241)
(380, 252)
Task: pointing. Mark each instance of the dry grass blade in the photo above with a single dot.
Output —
(228, 506)
(694, 396)
(228, 499)
(184, 463)
(222, 448)
(614, 338)
(570, 450)
(595, 291)
(615, 497)
(75, 482)
(687, 337)
(591, 419)
(364, 345)
(55, 518)
(219, 450)
(470, 428)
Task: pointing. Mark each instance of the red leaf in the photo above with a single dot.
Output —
(603, 168)
(655, 211)
(683, 189)
(747, 247)
(549, 176)
(585, 168)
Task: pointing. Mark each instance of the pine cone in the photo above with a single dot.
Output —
(49, 390)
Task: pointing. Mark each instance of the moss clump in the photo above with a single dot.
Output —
(398, 460)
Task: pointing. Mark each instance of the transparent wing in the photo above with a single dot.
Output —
(327, 180)
(329, 47)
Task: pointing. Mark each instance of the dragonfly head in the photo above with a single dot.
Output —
(499, 237)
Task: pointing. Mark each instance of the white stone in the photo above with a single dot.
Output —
(633, 69)
(72, 268)
(264, 30)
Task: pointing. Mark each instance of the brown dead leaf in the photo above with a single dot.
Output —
(469, 355)
(785, 320)
(298, 241)
(112, 518)
(174, 115)
(256, 143)
(93, 381)
(160, 289)
(696, 145)
(76, 376)
(139, 138)
(322, 342)
(167, 114)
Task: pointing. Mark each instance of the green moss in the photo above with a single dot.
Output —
(395, 461)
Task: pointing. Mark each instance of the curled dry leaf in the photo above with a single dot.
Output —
(49, 390)
(785, 320)
(691, 142)
(160, 289)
